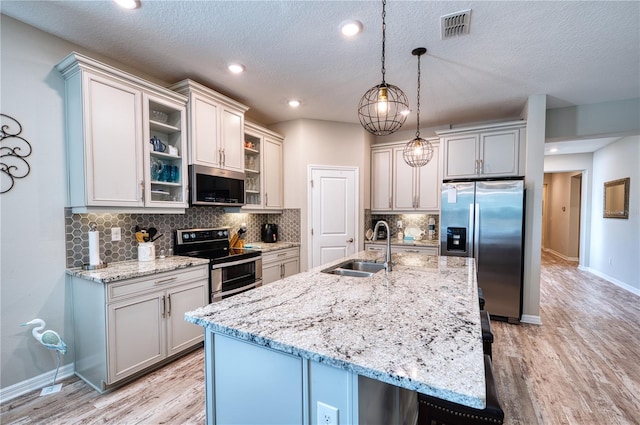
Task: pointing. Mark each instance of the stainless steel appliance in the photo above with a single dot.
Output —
(269, 233)
(485, 220)
(213, 186)
(231, 270)
(382, 231)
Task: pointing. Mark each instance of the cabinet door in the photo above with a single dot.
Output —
(404, 193)
(428, 189)
(271, 272)
(204, 132)
(461, 156)
(290, 267)
(272, 174)
(232, 134)
(381, 160)
(136, 335)
(500, 151)
(180, 333)
(113, 143)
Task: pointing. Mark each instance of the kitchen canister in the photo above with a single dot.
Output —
(146, 251)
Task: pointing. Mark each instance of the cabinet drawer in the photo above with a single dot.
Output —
(154, 282)
(281, 255)
(415, 249)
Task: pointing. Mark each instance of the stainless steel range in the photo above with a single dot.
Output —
(231, 270)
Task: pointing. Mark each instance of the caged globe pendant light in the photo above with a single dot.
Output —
(383, 108)
(418, 152)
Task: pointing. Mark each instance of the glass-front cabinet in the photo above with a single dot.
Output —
(165, 161)
(263, 162)
(252, 166)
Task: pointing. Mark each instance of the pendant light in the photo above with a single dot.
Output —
(418, 152)
(383, 108)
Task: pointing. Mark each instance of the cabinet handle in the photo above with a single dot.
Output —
(142, 190)
(282, 254)
(350, 240)
(281, 271)
(266, 199)
(164, 306)
(390, 201)
(169, 311)
(224, 157)
(374, 249)
(481, 166)
(167, 280)
(411, 250)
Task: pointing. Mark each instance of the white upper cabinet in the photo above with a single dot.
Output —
(487, 151)
(216, 127)
(398, 187)
(263, 165)
(108, 133)
(381, 178)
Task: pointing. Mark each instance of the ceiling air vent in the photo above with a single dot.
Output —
(455, 24)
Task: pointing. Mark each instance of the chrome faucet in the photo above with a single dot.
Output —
(387, 261)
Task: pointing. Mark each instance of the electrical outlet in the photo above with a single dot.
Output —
(326, 414)
(116, 234)
(399, 224)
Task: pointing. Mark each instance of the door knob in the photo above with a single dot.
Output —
(350, 240)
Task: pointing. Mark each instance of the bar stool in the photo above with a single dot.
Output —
(487, 333)
(481, 298)
(432, 409)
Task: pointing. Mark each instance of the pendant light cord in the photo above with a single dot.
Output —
(384, 27)
(418, 114)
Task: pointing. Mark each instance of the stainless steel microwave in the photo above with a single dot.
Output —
(215, 187)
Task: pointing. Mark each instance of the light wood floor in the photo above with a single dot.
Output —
(581, 367)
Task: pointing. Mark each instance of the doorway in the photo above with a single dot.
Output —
(333, 197)
(562, 212)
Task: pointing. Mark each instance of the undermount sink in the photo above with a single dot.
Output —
(355, 268)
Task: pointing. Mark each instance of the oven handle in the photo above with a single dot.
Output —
(236, 263)
(217, 295)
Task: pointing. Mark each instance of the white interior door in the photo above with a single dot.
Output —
(334, 217)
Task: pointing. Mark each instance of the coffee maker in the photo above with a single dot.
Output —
(269, 233)
(382, 231)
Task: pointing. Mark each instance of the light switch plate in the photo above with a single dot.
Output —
(399, 224)
(116, 234)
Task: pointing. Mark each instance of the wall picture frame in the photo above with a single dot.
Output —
(616, 198)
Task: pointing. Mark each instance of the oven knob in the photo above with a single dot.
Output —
(185, 236)
(193, 236)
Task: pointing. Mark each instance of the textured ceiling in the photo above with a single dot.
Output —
(575, 52)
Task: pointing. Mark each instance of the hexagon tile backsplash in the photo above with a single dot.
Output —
(77, 230)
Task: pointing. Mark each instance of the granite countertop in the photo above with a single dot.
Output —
(397, 242)
(130, 269)
(268, 247)
(417, 327)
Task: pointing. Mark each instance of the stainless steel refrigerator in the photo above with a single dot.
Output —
(485, 220)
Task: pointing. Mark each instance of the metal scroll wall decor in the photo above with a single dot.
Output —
(13, 151)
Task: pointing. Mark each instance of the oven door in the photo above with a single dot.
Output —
(232, 278)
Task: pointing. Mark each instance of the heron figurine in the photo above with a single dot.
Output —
(49, 339)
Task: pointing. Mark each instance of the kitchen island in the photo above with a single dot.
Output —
(362, 345)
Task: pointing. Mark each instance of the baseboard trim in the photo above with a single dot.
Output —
(619, 283)
(532, 320)
(564, 257)
(35, 383)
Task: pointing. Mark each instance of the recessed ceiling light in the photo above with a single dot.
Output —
(350, 28)
(294, 103)
(236, 68)
(128, 4)
(553, 150)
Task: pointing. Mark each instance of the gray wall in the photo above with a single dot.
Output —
(32, 213)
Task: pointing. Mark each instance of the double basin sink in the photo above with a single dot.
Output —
(355, 268)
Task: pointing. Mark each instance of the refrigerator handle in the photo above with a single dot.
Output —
(476, 235)
(470, 233)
